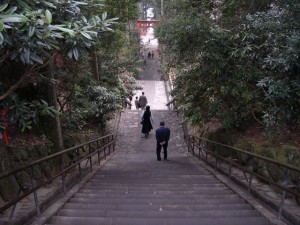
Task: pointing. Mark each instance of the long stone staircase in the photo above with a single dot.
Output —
(133, 188)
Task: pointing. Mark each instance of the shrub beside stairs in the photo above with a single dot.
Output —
(133, 188)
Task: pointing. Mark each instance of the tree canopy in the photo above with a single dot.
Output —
(236, 61)
(62, 46)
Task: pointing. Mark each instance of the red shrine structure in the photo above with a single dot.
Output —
(143, 25)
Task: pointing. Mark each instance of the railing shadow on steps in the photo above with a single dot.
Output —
(229, 157)
(100, 148)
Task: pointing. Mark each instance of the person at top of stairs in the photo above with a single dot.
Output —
(143, 100)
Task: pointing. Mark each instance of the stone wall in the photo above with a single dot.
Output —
(8, 186)
(13, 157)
(16, 157)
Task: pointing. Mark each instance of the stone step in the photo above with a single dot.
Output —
(128, 190)
(133, 188)
(158, 213)
(160, 187)
(183, 172)
(62, 220)
(139, 192)
(136, 206)
(161, 201)
(146, 176)
(147, 190)
(165, 195)
(98, 185)
(155, 181)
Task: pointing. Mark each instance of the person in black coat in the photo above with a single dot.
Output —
(147, 121)
(162, 137)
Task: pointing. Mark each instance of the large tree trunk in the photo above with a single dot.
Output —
(95, 65)
(55, 122)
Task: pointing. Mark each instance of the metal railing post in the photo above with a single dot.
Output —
(251, 176)
(104, 149)
(63, 175)
(98, 153)
(114, 143)
(189, 143)
(230, 164)
(206, 159)
(15, 205)
(199, 146)
(90, 148)
(109, 146)
(90, 158)
(36, 200)
(193, 145)
(283, 194)
(91, 163)
(216, 162)
(79, 164)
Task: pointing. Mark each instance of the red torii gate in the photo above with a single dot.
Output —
(143, 25)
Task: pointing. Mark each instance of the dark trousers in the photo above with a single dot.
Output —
(158, 150)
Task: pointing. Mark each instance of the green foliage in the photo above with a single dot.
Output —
(208, 86)
(83, 100)
(89, 94)
(24, 114)
(30, 30)
(105, 100)
(118, 62)
(125, 10)
(237, 61)
(32, 34)
(128, 83)
(276, 48)
(90, 104)
(237, 7)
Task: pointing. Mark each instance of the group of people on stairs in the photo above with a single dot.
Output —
(162, 134)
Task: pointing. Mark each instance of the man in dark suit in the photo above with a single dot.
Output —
(162, 137)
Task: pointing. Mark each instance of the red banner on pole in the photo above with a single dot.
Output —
(4, 120)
